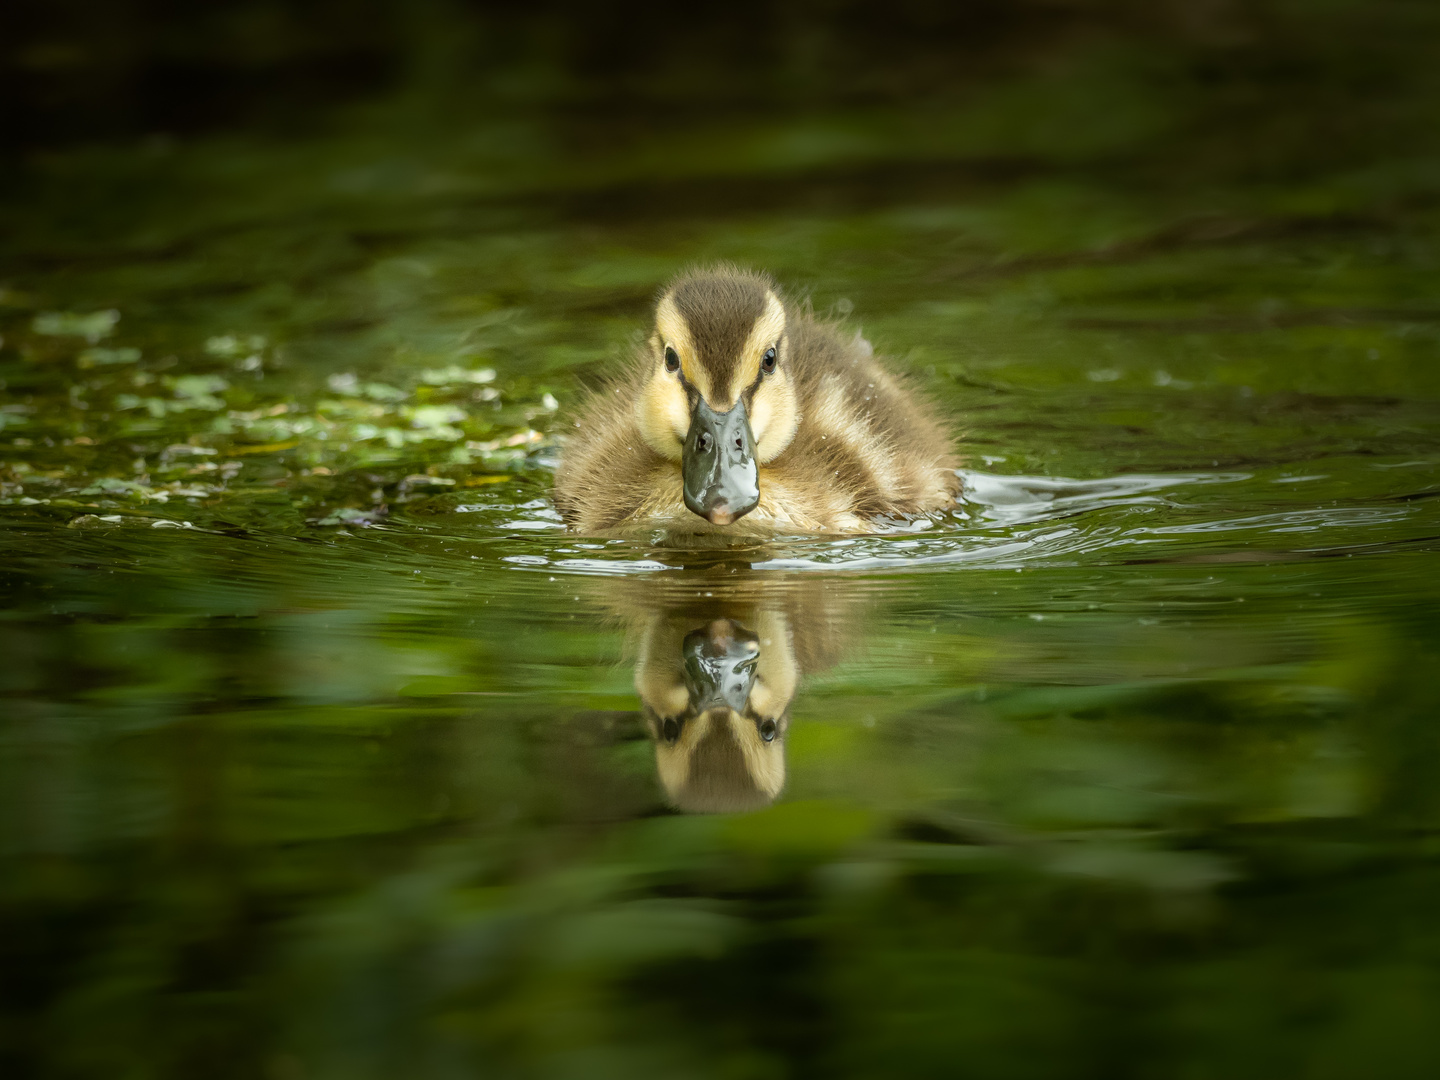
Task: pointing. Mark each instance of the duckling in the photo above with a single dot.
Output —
(747, 416)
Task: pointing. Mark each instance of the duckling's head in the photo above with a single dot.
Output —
(719, 400)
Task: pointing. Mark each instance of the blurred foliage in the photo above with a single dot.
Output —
(319, 754)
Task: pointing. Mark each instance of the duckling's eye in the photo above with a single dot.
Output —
(672, 359)
(767, 730)
(767, 362)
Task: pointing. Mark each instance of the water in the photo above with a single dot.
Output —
(327, 752)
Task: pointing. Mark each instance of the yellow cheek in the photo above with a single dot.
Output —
(774, 416)
(676, 700)
(763, 701)
(662, 414)
(662, 686)
(777, 671)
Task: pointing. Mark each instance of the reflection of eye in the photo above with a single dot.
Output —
(767, 362)
(767, 730)
(670, 730)
(672, 359)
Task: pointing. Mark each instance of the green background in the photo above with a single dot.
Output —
(319, 749)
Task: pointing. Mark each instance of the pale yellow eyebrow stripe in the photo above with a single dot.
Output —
(675, 331)
(766, 332)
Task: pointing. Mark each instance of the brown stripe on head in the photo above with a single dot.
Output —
(719, 309)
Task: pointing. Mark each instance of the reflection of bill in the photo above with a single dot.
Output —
(717, 665)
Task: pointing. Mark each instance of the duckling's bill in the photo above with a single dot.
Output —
(722, 480)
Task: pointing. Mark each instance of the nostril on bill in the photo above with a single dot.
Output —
(703, 442)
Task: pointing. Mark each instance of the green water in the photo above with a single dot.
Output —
(321, 751)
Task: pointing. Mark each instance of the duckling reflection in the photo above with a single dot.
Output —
(717, 666)
(716, 701)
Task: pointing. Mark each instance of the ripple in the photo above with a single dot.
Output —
(1015, 500)
(1002, 522)
(1311, 520)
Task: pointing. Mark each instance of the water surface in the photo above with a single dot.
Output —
(327, 751)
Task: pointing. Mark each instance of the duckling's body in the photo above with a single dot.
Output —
(746, 416)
